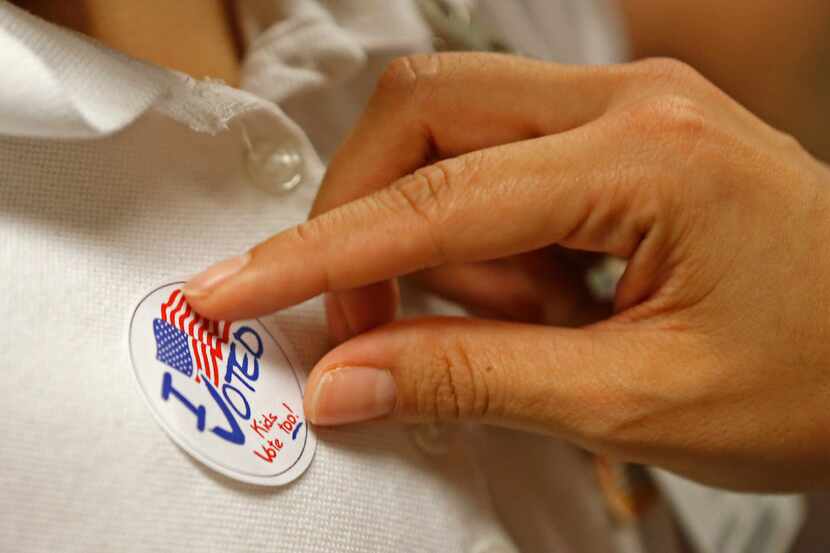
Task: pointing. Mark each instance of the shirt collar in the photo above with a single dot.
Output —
(60, 84)
(57, 83)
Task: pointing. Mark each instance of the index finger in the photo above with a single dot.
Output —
(548, 190)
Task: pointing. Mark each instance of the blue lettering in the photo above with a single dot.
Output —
(233, 363)
(247, 414)
(167, 389)
(242, 331)
(235, 434)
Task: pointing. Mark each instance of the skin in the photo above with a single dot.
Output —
(197, 37)
(772, 56)
(713, 363)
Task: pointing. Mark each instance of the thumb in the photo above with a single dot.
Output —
(574, 383)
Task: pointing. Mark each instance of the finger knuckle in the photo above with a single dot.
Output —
(418, 195)
(398, 76)
(667, 70)
(310, 235)
(424, 195)
(787, 143)
(670, 107)
(314, 233)
(453, 387)
(404, 76)
(430, 186)
(670, 117)
(306, 232)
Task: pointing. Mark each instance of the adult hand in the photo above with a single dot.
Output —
(715, 361)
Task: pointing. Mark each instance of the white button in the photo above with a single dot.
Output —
(432, 438)
(275, 168)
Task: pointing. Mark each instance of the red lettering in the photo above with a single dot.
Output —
(269, 456)
(258, 429)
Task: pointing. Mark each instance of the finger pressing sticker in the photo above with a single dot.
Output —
(230, 394)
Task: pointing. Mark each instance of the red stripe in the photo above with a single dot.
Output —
(206, 365)
(205, 322)
(216, 339)
(210, 372)
(183, 318)
(211, 337)
(193, 321)
(215, 366)
(168, 303)
(206, 362)
(171, 318)
(226, 332)
(196, 354)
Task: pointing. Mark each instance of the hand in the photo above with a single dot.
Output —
(715, 361)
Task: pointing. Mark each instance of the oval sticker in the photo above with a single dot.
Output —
(229, 394)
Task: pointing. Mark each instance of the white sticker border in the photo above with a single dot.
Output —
(285, 476)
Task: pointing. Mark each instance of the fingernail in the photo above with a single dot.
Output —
(352, 394)
(203, 283)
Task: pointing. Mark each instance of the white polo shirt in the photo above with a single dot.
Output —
(115, 176)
